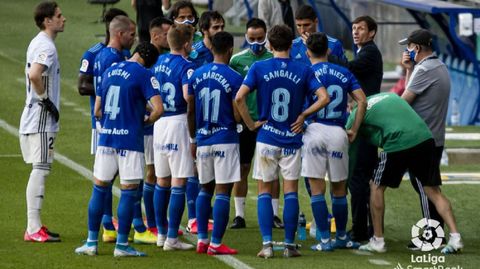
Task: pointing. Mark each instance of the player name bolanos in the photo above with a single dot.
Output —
(215, 76)
(114, 131)
(164, 69)
(276, 131)
(205, 131)
(119, 72)
(281, 74)
(332, 72)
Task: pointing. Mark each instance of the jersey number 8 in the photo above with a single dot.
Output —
(280, 101)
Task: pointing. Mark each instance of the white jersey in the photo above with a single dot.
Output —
(35, 118)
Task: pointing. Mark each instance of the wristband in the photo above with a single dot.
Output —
(43, 96)
(192, 140)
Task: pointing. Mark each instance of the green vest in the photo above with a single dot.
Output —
(390, 123)
(241, 63)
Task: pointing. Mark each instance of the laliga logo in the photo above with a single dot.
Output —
(427, 234)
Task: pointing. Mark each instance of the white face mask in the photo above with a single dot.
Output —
(186, 21)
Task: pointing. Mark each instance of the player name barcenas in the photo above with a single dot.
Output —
(215, 76)
(281, 74)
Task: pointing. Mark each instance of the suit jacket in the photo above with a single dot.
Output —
(367, 67)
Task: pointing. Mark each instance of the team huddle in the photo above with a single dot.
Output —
(181, 118)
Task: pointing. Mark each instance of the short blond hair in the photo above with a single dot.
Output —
(179, 35)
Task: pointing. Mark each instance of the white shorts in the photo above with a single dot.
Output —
(220, 162)
(269, 160)
(148, 145)
(325, 149)
(171, 147)
(37, 147)
(129, 164)
(94, 141)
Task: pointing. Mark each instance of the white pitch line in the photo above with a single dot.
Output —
(87, 173)
(10, 155)
(379, 262)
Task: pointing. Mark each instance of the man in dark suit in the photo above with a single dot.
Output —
(367, 66)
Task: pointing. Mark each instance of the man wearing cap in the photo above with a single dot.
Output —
(427, 91)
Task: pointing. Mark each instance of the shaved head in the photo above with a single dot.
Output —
(120, 24)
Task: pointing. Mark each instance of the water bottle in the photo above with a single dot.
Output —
(455, 117)
(302, 231)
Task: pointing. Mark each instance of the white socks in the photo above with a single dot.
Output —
(35, 192)
(275, 207)
(240, 206)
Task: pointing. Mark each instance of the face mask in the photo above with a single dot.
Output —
(412, 54)
(256, 47)
(193, 54)
(186, 21)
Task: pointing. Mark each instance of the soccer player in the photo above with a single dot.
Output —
(39, 121)
(212, 124)
(256, 37)
(282, 85)
(390, 123)
(122, 36)
(325, 144)
(210, 23)
(183, 12)
(306, 21)
(126, 88)
(158, 37)
(173, 161)
(158, 33)
(86, 88)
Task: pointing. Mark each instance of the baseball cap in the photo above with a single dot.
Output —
(420, 37)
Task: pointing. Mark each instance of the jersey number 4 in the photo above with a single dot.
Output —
(112, 107)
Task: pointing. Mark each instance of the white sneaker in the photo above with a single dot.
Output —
(89, 249)
(266, 252)
(161, 238)
(453, 246)
(176, 245)
(374, 246)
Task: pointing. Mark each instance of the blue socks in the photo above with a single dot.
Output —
(265, 216)
(193, 186)
(290, 216)
(125, 214)
(160, 199)
(175, 211)
(138, 224)
(95, 211)
(340, 213)
(221, 213)
(203, 208)
(107, 210)
(148, 190)
(320, 213)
